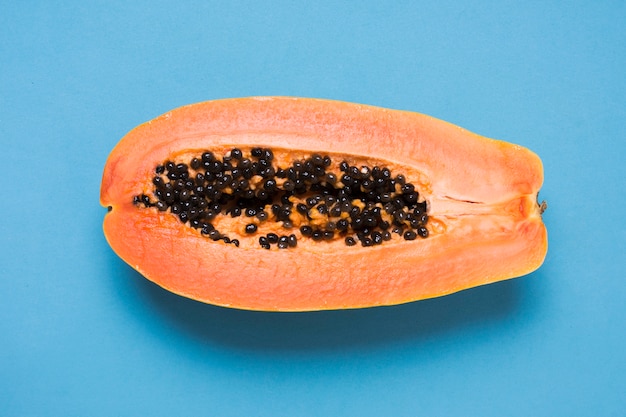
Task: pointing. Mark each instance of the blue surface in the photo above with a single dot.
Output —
(81, 334)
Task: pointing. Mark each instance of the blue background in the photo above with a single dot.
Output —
(82, 334)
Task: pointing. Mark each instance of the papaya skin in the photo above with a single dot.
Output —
(485, 223)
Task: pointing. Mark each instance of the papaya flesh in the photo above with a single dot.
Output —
(293, 204)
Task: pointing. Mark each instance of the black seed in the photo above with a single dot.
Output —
(267, 172)
(317, 160)
(213, 167)
(226, 239)
(285, 200)
(160, 169)
(400, 215)
(244, 163)
(335, 211)
(261, 215)
(235, 172)
(161, 206)
(397, 229)
(409, 235)
(345, 206)
(386, 235)
(184, 195)
(322, 208)
(369, 221)
(331, 178)
(235, 242)
(328, 234)
(251, 212)
(306, 230)
(292, 240)
(328, 198)
(422, 231)
(283, 213)
(180, 168)
(195, 163)
(366, 242)
(208, 157)
(247, 173)
(342, 225)
(168, 197)
(347, 180)
(344, 166)
(319, 173)
(385, 197)
(357, 223)
(377, 238)
(251, 228)
(256, 152)
(368, 185)
(289, 185)
(262, 195)
(236, 153)
(176, 208)
(410, 198)
(158, 181)
(420, 208)
(264, 242)
(350, 241)
(305, 176)
(317, 235)
(302, 208)
(272, 237)
(193, 213)
(398, 202)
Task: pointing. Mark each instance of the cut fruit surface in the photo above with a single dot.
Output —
(288, 204)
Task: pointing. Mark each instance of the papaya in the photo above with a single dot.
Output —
(296, 204)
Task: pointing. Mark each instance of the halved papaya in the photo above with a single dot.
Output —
(293, 204)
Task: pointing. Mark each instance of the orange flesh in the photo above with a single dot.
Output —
(485, 224)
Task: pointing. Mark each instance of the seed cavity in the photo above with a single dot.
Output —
(311, 198)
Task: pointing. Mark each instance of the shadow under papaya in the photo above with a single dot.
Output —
(328, 330)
